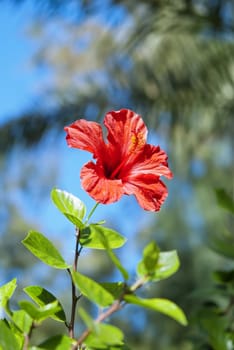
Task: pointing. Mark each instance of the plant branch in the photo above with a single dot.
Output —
(139, 283)
(114, 307)
(75, 297)
(77, 250)
(26, 342)
(27, 337)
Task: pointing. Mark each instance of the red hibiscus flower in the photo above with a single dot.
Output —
(125, 163)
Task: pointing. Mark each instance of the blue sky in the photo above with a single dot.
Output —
(17, 79)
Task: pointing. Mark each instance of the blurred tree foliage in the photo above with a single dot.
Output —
(173, 62)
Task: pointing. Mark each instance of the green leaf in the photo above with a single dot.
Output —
(89, 322)
(150, 257)
(107, 347)
(107, 242)
(105, 335)
(8, 340)
(57, 342)
(215, 327)
(97, 339)
(91, 237)
(224, 276)
(164, 306)
(22, 320)
(6, 292)
(42, 297)
(69, 205)
(117, 263)
(166, 265)
(41, 313)
(92, 290)
(224, 200)
(43, 249)
(115, 288)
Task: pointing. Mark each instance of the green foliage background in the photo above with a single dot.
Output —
(172, 62)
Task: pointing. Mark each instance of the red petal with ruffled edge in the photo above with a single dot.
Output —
(149, 192)
(86, 135)
(152, 160)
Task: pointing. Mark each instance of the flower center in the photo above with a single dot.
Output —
(137, 141)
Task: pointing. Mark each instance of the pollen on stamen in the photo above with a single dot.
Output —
(137, 141)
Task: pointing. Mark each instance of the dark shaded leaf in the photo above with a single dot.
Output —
(224, 200)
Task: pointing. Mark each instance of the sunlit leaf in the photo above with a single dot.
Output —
(167, 263)
(92, 290)
(91, 237)
(105, 335)
(6, 292)
(39, 313)
(22, 320)
(8, 340)
(150, 257)
(43, 249)
(69, 205)
(42, 297)
(164, 306)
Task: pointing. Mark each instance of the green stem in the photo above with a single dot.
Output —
(91, 213)
(139, 283)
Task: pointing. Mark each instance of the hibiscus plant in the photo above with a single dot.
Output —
(123, 164)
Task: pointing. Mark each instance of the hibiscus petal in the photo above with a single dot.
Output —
(87, 136)
(152, 160)
(126, 131)
(100, 188)
(150, 195)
